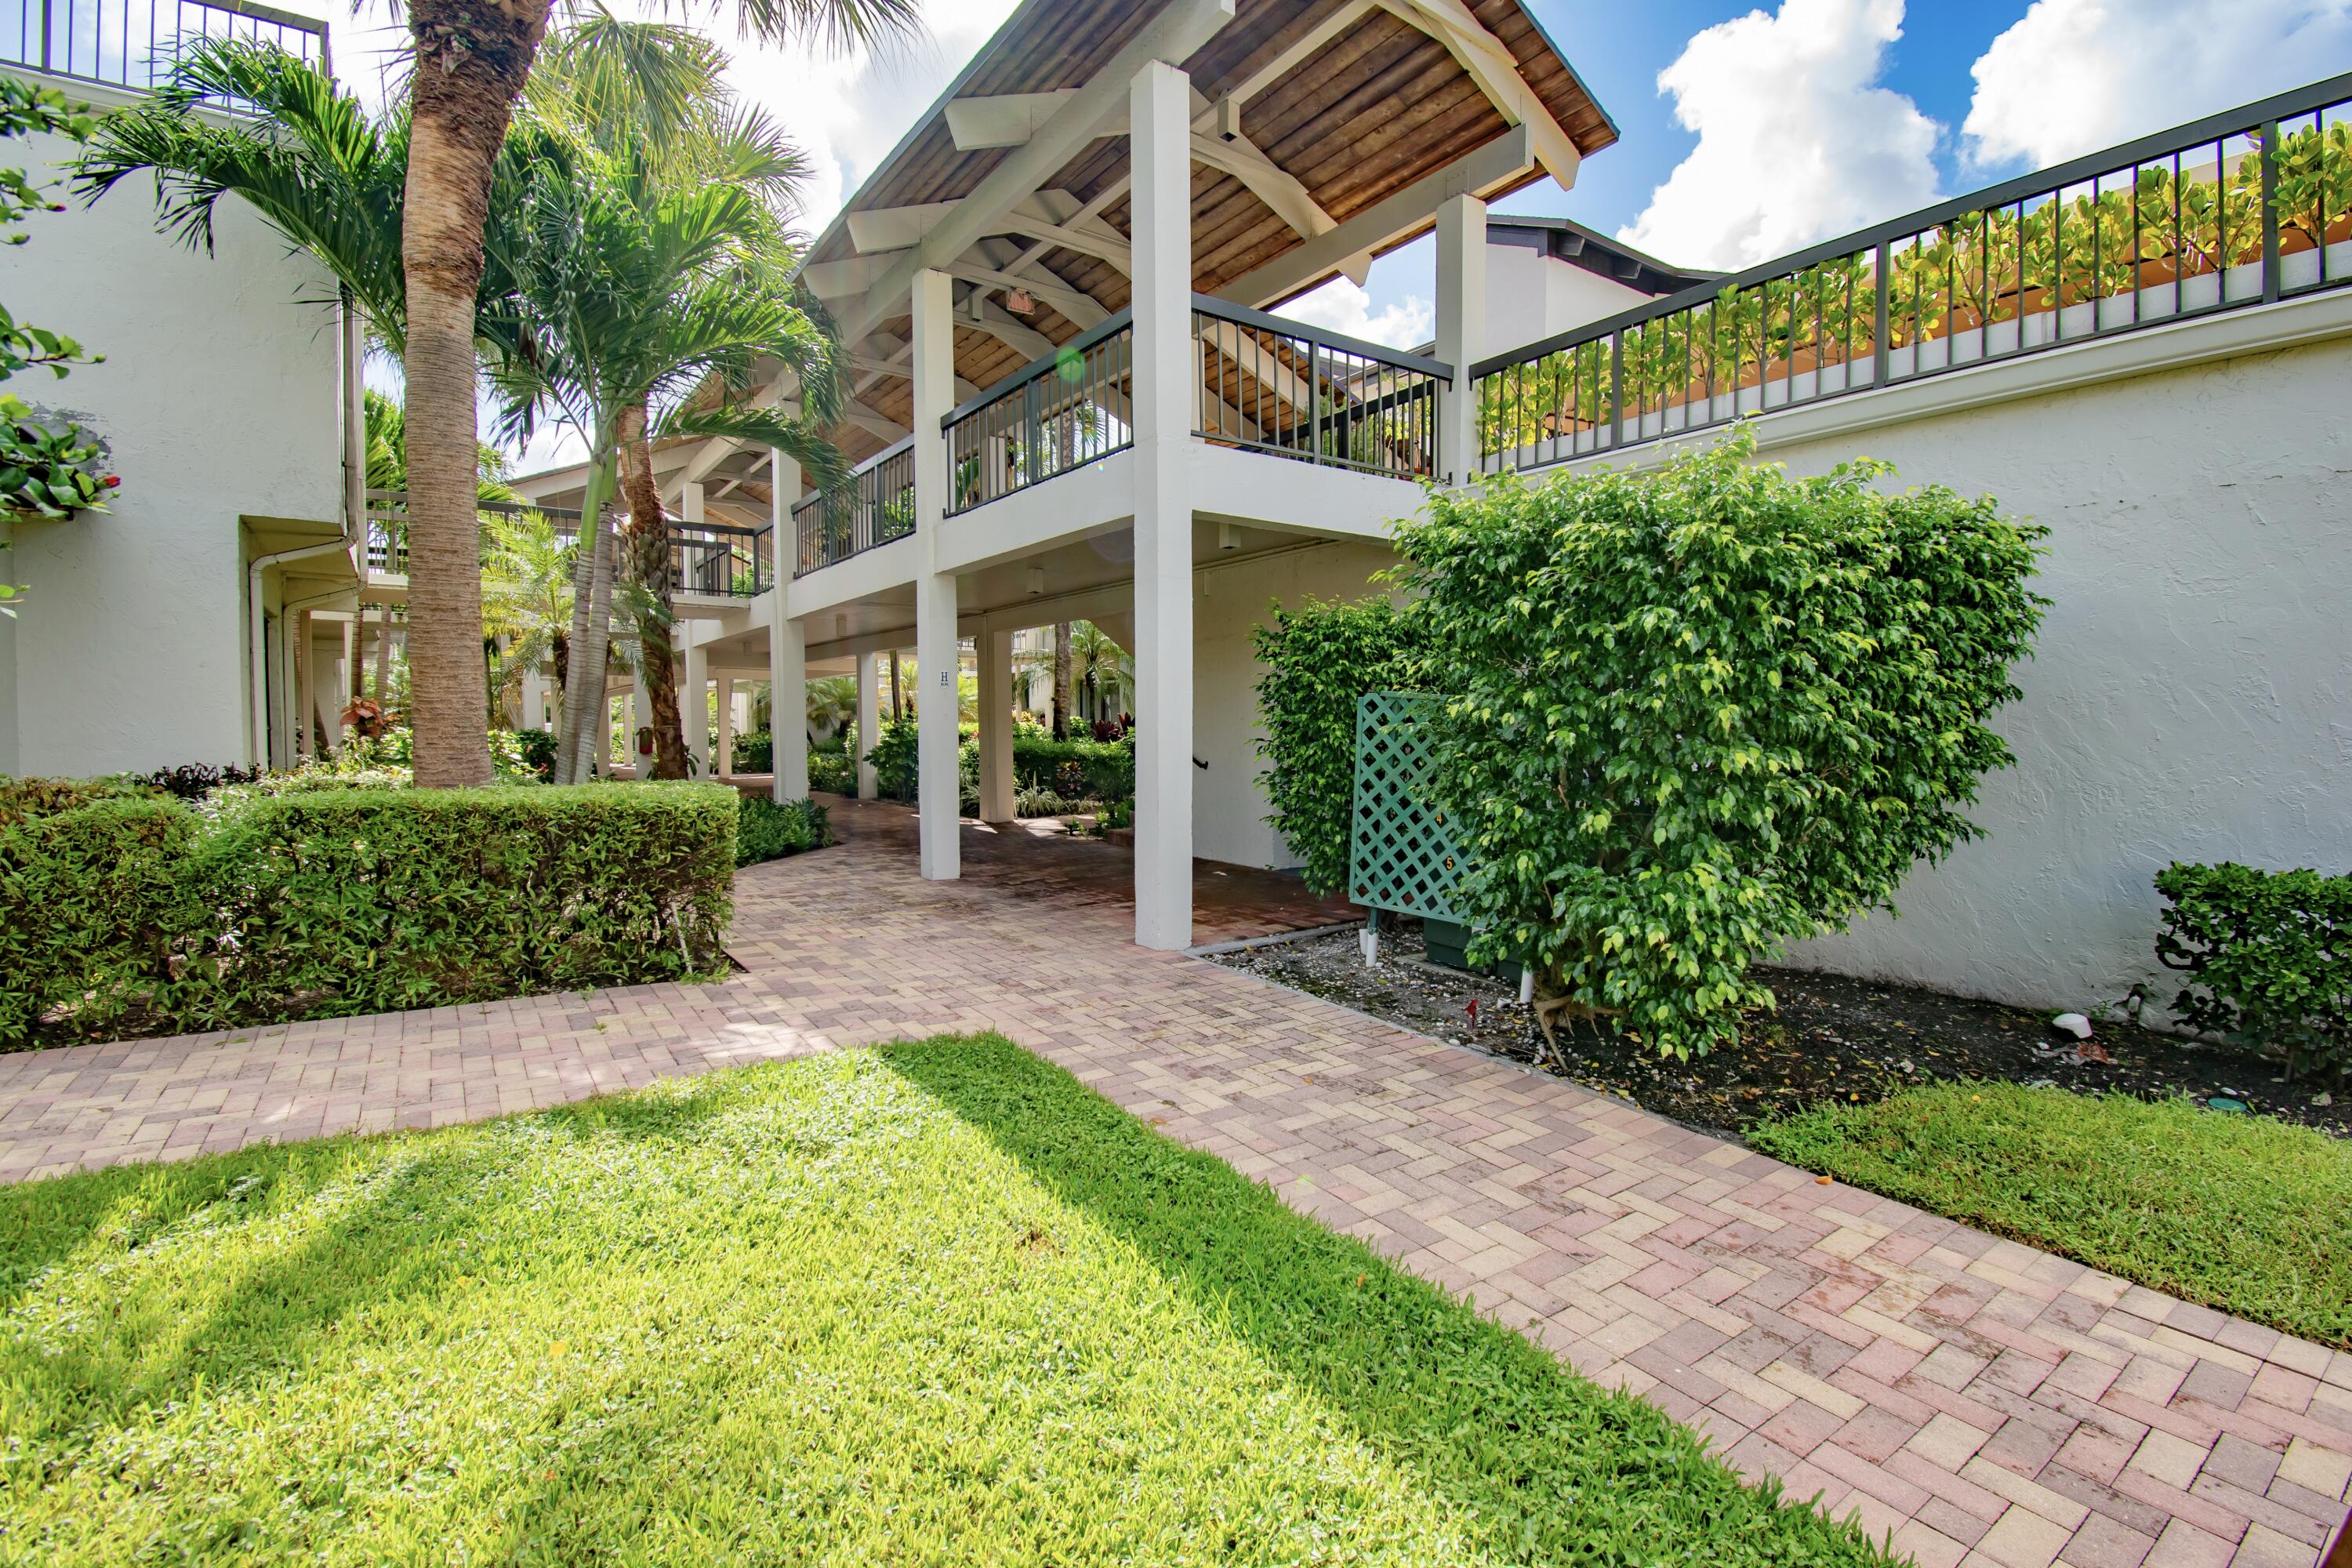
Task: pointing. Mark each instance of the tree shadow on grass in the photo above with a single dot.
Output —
(1549, 1467)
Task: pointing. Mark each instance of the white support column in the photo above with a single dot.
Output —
(788, 718)
(723, 761)
(787, 645)
(936, 740)
(1461, 331)
(693, 701)
(1159, 143)
(995, 650)
(870, 723)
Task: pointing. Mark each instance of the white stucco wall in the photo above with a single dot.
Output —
(218, 398)
(1229, 809)
(1529, 297)
(2190, 697)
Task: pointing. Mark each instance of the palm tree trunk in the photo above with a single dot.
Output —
(1061, 681)
(898, 707)
(648, 555)
(471, 60)
(583, 687)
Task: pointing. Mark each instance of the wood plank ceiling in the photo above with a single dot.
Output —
(1375, 106)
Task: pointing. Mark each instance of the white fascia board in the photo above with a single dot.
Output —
(1084, 501)
(862, 575)
(1284, 494)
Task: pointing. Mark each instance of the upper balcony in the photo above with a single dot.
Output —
(709, 563)
(1262, 383)
(130, 44)
(2243, 209)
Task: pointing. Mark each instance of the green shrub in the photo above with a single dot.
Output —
(537, 750)
(893, 756)
(1099, 770)
(833, 772)
(770, 830)
(2269, 958)
(23, 800)
(754, 751)
(1698, 713)
(1319, 658)
(358, 901)
(93, 905)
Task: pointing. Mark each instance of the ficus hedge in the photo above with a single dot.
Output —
(151, 913)
(1697, 713)
(1319, 658)
(2268, 956)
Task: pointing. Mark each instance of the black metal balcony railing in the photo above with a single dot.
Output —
(1274, 385)
(2244, 208)
(134, 43)
(876, 507)
(1060, 412)
(718, 560)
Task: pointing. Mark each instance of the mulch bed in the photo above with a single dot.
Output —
(1831, 1039)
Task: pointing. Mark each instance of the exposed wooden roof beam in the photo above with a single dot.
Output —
(1174, 34)
(1385, 223)
(1497, 72)
(1307, 45)
(1050, 217)
(1081, 309)
(881, 426)
(1006, 120)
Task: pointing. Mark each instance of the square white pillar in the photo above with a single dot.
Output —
(1460, 326)
(694, 702)
(722, 762)
(788, 715)
(995, 650)
(936, 740)
(787, 668)
(1160, 142)
(870, 723)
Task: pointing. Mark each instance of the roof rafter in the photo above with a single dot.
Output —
(1497, 72)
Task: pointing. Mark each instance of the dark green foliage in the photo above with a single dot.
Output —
(355, 901)
(770, 830)
(1319, 658)
(1698, 713)
(2269, 958)
(93, 903)
(538, 748)
(893, 756)
(1075, 770)
(2231, 1212)
(834, 773)
(755, 751)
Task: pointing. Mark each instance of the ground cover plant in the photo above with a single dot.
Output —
(1697, 713)
(2228, 1211)
(933, 1303)
(772, 829)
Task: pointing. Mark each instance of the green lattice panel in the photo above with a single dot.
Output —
(1401, 853)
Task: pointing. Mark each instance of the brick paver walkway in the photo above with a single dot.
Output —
(1985, 1402)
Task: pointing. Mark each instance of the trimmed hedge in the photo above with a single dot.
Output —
(770, 830)
(356, 901)
(833, 773)
(754, 753)
(2269, 958)
(1075, 770)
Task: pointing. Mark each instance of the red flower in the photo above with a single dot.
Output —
(112, 480)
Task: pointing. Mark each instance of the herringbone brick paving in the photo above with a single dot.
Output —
(1984, 1403)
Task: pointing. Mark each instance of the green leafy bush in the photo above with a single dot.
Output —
(49, 467)
(1098, 770)
(537, 750)
(94, 902)
(893, 756)
(770, 830)
(2269, 958)
(1698, 713)
(834, 773)
(23, 799)
(1319, 658)
(754, 751)
(355, 900)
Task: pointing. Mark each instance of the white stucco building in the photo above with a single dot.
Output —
(155, 632)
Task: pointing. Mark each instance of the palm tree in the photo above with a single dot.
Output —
(1100, 666)
(632, 292)
(833, 703)
(652, 97)
(527, 575)
(1061, 681)
(471, 63)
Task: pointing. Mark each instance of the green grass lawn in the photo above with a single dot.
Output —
(2241, 1213)
(933, 1303)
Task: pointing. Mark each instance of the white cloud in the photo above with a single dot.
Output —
(2074, 76)
(1795, 141)
(1340, 307)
